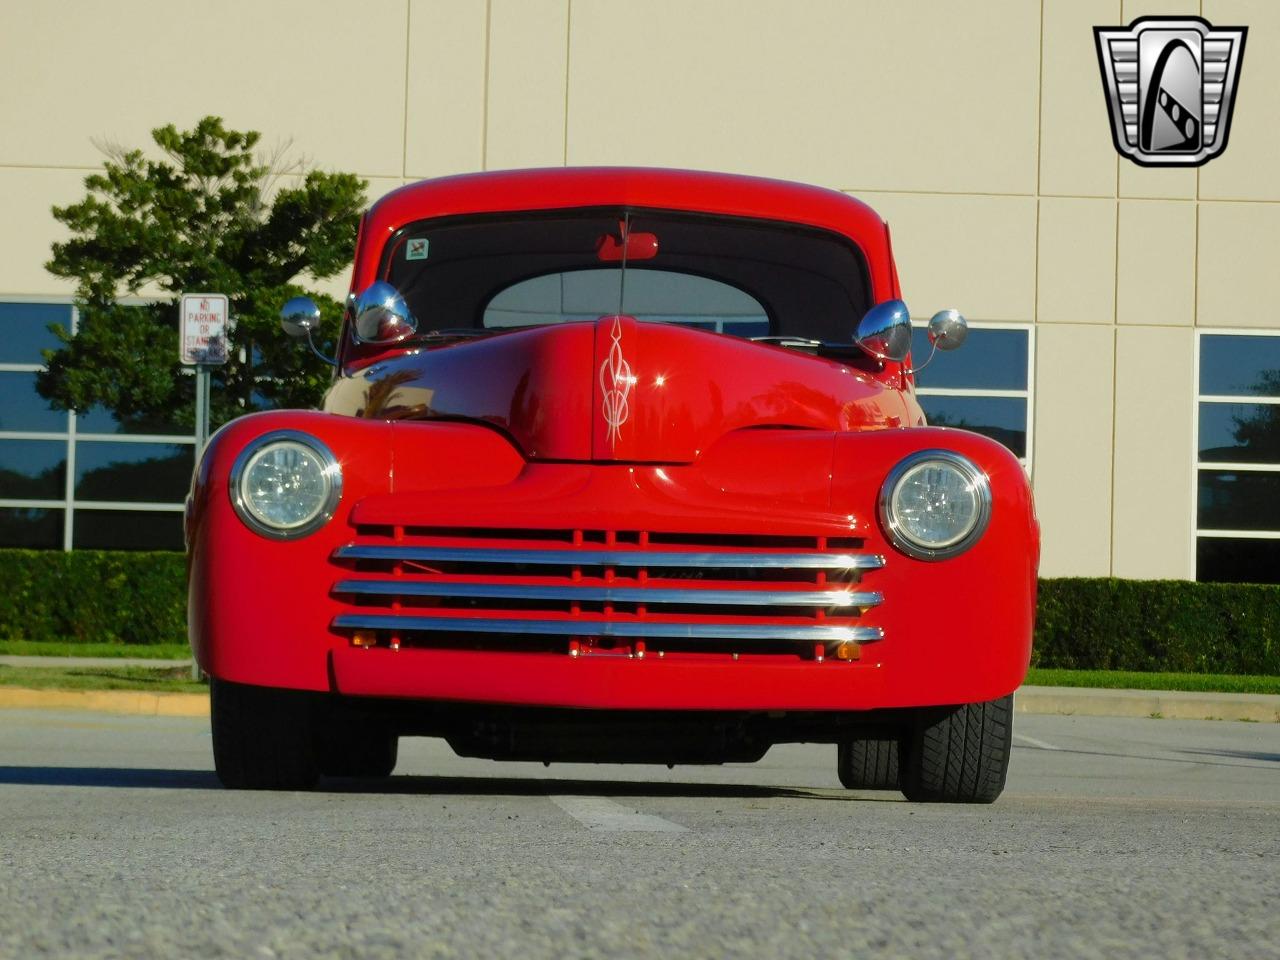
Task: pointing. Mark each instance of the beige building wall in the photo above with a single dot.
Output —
(978, 129)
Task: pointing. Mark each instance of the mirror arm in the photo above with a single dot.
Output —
(331, 361)
(933, 352)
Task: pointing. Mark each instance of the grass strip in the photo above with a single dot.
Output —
(56, 648)
(1133, 680)
(178, 679)
(165, 679)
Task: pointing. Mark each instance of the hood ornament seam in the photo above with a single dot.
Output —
(616, 382)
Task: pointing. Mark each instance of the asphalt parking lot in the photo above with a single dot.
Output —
(1115, 838)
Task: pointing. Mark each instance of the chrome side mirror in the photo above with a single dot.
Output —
(300, 318)
(382, 316)
(885, 331)
(947, 329)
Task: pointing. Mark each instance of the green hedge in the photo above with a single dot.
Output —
(1167, 625)
(99, 596)
(1087, 624)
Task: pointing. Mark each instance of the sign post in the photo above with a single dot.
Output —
(202, 343)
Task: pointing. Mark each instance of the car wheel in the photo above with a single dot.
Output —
(262, 737)
(958, 754)
(869, 764)
(360, 751)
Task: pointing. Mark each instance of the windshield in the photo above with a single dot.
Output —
(740, 277)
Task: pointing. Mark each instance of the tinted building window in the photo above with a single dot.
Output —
(23, 409)
(37, 444)
(32, 528)
(134, 472)
(26, 332)
(1238, 458)
(985, 386)
(33, 469)
(127, 530)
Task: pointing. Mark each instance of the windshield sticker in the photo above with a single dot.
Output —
(416, 249)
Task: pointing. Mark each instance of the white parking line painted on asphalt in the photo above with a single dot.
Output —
(1034, 742)
(597, 813)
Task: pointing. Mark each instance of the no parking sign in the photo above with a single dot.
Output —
(202, 328)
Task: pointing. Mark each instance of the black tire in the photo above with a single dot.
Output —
(868, 764)
(958, 754)
(263, 737)
(357, 752)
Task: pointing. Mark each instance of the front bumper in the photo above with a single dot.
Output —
(544, 620)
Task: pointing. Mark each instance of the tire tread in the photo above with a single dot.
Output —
(960, 754)
(262, 738)
(868, 763)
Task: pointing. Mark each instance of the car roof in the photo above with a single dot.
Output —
(558, 188)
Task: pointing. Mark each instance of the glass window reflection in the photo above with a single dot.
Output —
(988, 360)
(1239, 432)
(98, 419)
(1233, 365)
(132, 472)
(126, 530)
(1228, 500)
(1228, 560)
(33, 469)
(31, 529)
(24, 409)
(24, 330)
(1003, 419)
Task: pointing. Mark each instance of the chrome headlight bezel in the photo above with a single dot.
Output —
(978, 483)
(331, 470)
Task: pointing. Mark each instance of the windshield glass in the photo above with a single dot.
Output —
(658, 296)
(740, 277)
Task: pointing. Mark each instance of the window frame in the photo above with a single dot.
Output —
(1028, 395)
(69, 503)
(1197, 532)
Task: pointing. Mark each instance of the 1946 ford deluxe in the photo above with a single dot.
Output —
(618, 465)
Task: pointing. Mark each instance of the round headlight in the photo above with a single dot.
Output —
(285, 484)
(935, 504)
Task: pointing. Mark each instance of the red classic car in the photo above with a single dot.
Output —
(618, 465)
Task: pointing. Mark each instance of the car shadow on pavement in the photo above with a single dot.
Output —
(544, 786)
(109, 777)
(1225, 754)
(1238, 754)
(140, 777)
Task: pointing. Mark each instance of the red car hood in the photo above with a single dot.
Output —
(618, 390)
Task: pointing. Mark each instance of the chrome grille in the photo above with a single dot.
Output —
(584, 591)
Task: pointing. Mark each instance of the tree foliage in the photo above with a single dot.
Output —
(210, 215)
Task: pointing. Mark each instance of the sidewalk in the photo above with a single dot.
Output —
(13, 660)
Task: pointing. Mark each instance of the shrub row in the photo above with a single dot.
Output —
(1174, 625)
(93, 596)
(1095, 624)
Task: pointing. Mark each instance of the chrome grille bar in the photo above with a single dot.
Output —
(609, 628)
(516, 591)
(613, 558)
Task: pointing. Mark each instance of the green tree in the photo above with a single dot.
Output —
(211, 216)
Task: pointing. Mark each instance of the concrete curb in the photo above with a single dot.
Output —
(1068, 701)
(140, 702)
(1174, 705)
